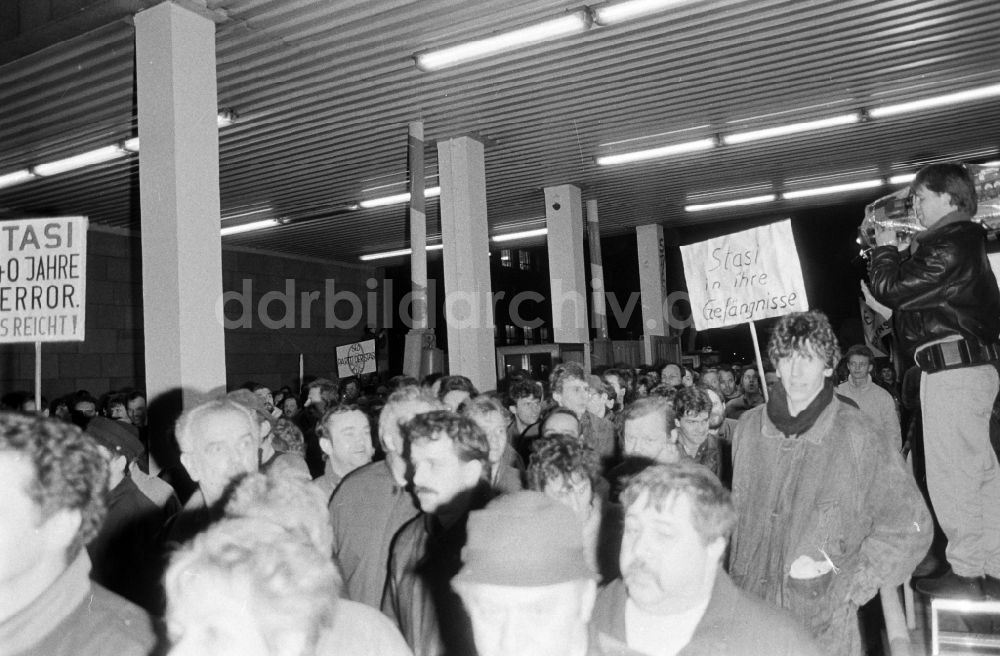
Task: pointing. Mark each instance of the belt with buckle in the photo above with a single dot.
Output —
(957, 354)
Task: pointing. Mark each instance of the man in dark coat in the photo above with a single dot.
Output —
(946, 308)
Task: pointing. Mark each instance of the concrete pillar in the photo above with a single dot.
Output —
(602, 352)
(468, 289)
(179, 200)
(564, 220)
(420, 338)
(652, 282)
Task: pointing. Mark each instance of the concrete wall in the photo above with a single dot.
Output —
(257, 349)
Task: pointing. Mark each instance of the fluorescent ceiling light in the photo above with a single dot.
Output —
(15, 177)
(791, 128)
(996, 163)
(832, 189)
(573, 23)
(937, 101)
(247, 227)
(903, 178)
(88, 158)
(397, 199)
(401, 251)
(225, 118)
(653, 153)
(752, 200)
(524, 234)
(622, 11)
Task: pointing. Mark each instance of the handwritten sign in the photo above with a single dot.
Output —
(875, 327)
(745, 276)
(43, 279)
(356, 359)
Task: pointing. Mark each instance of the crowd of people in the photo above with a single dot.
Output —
(660, 511)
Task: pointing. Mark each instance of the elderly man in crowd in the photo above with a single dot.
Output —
(449, 459)
(675, 597)
(54, 503)
(827, 512)
(540, 607)
(219, 441)
(373, 502)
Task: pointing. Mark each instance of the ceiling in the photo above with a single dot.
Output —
(324, 90)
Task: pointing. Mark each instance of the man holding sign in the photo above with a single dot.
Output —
(827, 513)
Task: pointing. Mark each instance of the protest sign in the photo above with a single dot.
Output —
(43, 276)
(744, 277)
(875, 327)
(356, 359)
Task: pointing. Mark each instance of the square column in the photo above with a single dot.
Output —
(468, 290)
(179, 200)
(652, 282)
(564, 220)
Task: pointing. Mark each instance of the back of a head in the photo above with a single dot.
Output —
(295, 504)
(400, 407)
(286, 437)
(481, 407)
(67, 472)
(249, 571)
(456, 383)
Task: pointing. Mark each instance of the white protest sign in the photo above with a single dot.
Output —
(743, 277)
(43, 279)
(356, 359)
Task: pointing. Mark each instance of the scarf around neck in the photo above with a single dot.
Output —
(777, 409)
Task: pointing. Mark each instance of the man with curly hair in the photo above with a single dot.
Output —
(565, 469)
(827, 512)
(56, 480)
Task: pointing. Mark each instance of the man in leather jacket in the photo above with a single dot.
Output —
(947, 313)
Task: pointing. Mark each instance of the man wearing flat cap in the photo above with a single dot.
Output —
(122, 551)
(525, 581)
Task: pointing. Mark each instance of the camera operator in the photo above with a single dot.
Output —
(947, 314)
